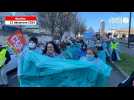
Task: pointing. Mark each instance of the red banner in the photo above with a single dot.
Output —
(16, 41)
(20, 18)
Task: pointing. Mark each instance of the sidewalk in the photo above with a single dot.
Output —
(116, 76)
(123, 66)
(117, 67)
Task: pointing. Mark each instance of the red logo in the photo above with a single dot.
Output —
(17, 41)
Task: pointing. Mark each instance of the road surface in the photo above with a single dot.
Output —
(116, 77)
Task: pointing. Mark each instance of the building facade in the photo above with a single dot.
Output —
(102, 27)
(121, 32)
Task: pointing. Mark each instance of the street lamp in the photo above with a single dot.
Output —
(130, 15)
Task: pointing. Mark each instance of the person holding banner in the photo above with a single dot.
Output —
(72, 52)
(32, 45)
(101, 53)
(51, 49)
(37, 70)
(41, 46)
(91, 56)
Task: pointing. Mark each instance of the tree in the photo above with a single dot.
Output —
(82, 27)
(59, 22)
(66, 22)
(79, 26)
(48, 20)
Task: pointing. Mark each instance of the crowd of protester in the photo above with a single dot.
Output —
(76, 48)
(106, 48)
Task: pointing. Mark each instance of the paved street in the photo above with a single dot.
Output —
(115, 78)
(13, 82)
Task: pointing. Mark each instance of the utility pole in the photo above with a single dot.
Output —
(129, 29)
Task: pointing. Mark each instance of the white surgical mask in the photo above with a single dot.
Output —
(32, 45)
(90, 57)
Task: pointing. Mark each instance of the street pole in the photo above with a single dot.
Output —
(129, 29)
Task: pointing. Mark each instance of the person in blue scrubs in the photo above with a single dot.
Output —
(30, 46)
(101, 66)
(101, 53)
(90, 55)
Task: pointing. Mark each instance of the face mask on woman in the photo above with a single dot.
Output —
(32, 45)
(90, 57)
